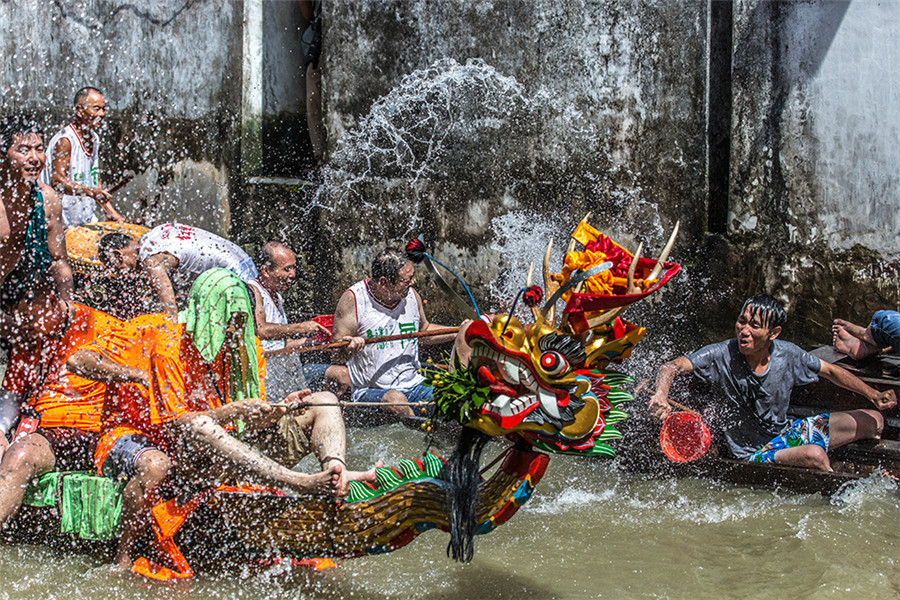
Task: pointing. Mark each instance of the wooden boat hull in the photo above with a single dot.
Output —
(261, 525)
(234, 528)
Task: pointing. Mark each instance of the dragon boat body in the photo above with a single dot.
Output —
(545, 387)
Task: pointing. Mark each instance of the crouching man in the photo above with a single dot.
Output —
(757, 372)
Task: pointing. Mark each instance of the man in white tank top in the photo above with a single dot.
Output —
(385, 304)
(286, 373)
(174, 255)
(74, 166)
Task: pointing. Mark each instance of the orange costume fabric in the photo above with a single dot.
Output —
(62, 399)
(180, 381)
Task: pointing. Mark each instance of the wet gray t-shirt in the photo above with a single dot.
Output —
(757, 404)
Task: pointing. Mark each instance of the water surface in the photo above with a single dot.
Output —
(590, 531)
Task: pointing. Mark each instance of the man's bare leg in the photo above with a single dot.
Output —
(853, 340)
(337, 381)
(843, 428)
(23, 461)
(244, 462)
(328, 439)
(396, 403)
(852, 425)
(138, 497)
(808, 456)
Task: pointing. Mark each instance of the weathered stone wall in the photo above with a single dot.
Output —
(171, 73)
(569, 107)
(815, 202)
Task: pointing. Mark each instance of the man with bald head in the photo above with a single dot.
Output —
(285, 373)
(74, 166)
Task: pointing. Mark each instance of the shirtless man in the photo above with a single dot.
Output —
(31, 231)
(285, 373)
(174, 255)
(183, 400)
(74, 166)
(385, 304)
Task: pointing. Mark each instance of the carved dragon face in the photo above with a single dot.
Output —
(544, 384)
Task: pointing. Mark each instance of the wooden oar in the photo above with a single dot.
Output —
(292, 406)
(121, 183)
(374, 340)
(642, 385)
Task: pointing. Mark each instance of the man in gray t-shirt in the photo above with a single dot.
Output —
(757, 372)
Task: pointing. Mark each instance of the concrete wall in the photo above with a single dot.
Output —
(170, 71)
(816, 120)
(545, 109)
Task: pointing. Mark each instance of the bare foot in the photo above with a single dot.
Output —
(326, 481)
(843, 341)
(853, 329)
(365, 476)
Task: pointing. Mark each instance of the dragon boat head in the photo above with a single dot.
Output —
(549, 382)
(547, 385)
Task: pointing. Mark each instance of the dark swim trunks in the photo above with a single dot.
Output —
(73, 448)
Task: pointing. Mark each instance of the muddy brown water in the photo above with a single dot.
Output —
(590, 531)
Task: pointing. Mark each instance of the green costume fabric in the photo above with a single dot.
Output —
(36, 249)
(89, 507)
(215, 295)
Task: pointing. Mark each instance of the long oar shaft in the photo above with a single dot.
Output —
(291, 406)
(374, 340)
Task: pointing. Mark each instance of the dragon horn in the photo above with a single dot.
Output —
(634, 261)
(550, 286)
(535, 311)
(657, 268)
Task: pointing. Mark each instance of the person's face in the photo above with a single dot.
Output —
(753, 337)
(128, 256)
(398, 289)
(283, 271)
(40, 317)
(25, 157)
(91, 110)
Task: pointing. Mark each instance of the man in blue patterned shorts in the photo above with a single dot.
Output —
(757, 372)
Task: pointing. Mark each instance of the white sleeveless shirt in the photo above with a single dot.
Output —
(84, 169)
(274, 307)
(197, 250)
(386, 365)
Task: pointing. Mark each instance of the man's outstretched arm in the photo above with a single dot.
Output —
(96, 367)
(659, 403)
(847, 380)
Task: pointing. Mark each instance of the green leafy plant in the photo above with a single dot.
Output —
(456, 391)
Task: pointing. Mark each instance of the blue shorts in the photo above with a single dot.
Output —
(802, 432)
(121, 461)
(418, 393)
(885, 328)
(314, 373)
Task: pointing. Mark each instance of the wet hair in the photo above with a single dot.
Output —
(388, 264)
(771, 312)
(26, 283)
(110, 242)
(83, 93)
(265, 257)
(15, 125)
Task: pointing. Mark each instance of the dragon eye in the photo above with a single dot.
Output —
(554, 363)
